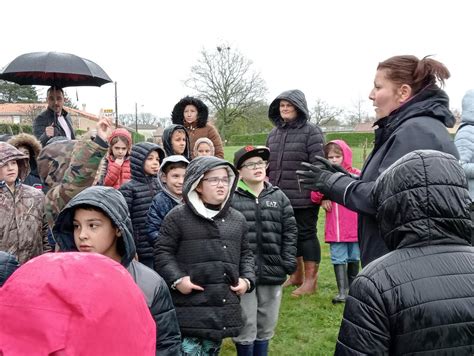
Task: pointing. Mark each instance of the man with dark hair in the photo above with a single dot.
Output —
(54, 121)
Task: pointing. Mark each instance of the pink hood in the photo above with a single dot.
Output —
(347, 153)
(341, 223)
(74, 304)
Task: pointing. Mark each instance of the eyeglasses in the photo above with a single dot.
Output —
(255, 165)
(216, 180)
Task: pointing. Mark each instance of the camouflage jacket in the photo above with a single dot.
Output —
(67, 168)
(23, 231)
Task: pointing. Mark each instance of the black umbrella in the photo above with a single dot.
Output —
(54, 69)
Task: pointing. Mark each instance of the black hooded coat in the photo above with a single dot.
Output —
(417, 299)
(419, 124)
(168, 146)
(113, 205)
(139, 193)
(214, 252)
(291, 143)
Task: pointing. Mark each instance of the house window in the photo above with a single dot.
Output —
(16, 119)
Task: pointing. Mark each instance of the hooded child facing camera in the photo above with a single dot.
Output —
(171, 175)
(176, 141)
(139, 192)
(203, 254)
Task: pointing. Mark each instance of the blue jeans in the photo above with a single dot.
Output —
(344, 252)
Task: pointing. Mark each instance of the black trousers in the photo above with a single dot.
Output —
(308, 245)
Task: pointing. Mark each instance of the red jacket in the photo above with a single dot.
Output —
(341, 223)
(116, 174)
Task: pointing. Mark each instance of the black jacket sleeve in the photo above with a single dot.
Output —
(247, 261)
(365, 325)
(165, 249)
(289, 236)
(168, 336)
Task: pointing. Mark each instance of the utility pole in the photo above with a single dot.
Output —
(116, 107)
(136, 118)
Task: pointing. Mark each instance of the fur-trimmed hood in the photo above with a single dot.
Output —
(177, 116)
(30, 142)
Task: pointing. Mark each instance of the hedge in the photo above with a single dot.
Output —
(14, 129)
(353, 139)
(250, 139)
(136, 137)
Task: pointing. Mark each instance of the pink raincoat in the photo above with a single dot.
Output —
(341, 223)
(74, 304)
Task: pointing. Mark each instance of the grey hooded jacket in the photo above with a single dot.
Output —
(464, 139)
(113, 205)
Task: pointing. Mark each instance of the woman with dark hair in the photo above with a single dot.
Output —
(412, 113)
(192, 113)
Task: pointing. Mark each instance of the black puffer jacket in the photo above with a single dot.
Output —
(214, 252)
(419, 298)
(290, 144)
(272, 232)
(139, 193)
(419, 124)
(113, 205)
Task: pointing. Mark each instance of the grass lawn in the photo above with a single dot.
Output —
(307, 325)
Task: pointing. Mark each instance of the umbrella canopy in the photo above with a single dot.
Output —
(54, 69)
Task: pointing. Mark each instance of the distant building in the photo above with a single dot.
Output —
(364, 127)
(148, 131)
(25, 113)
(368, 126)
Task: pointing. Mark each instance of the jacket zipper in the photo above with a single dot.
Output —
(259, 238)
(338, 234)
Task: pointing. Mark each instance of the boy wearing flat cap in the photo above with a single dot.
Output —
(272, 234)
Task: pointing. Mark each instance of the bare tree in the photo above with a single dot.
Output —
(31, 112)
(357, 115)
(224, 78)
(144, 118)
(323, 114)
(457, 114)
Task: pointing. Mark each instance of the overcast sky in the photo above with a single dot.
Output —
(328, 49)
